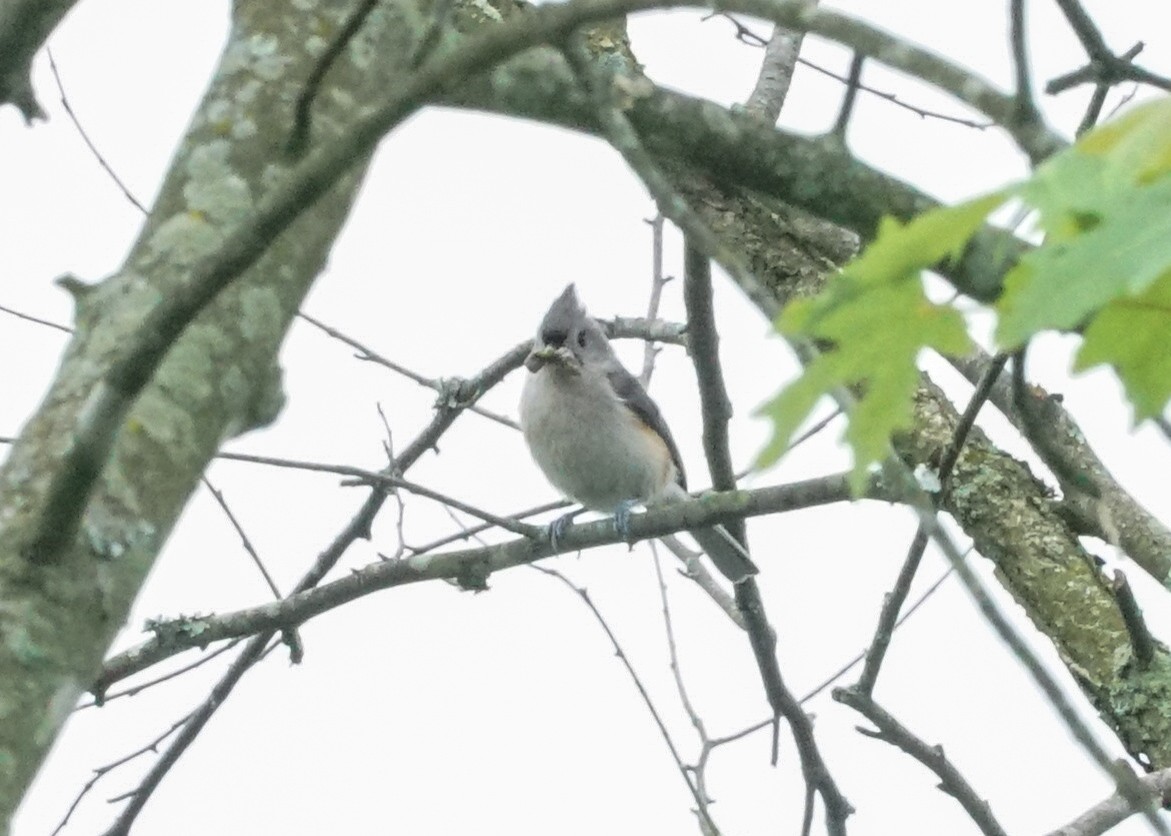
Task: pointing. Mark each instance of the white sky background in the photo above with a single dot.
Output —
(426, 710)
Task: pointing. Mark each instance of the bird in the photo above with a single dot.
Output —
(597, 435)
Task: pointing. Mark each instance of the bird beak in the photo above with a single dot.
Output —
(538, 357)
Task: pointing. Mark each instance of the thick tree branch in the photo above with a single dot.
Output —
(818, 176)
(470, 567)
(1113, 516)
(24, 26)
(219, 378)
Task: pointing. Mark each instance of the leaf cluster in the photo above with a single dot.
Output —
(1103, 271)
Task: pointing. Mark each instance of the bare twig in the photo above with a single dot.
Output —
(932, 757)
(1039, 434)
(1104, 67)
(1104, 70)
(37, 320)
(290, 636)
(704, 342)
(138, 689)
(368, 354)
(694, 570)
(892, 602)
(254, 651)
(1124, 779)
(244, 540)
(844, 669)
(700, 800)
(623, 137)
(1115, 809)
(257, 647)
(101, 771)
(853, 84)
(967, 420)
(85, 138)
(658, 282)
(746, 35)
(472, 531)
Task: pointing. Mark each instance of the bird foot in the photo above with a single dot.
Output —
(559, 526)
(622, 519)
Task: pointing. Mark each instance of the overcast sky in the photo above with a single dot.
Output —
(426, 710)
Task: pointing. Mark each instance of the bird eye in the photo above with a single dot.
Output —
(581, 339)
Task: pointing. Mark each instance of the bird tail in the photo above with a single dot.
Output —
(728, 555)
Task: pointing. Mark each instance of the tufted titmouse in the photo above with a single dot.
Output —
(597, 435)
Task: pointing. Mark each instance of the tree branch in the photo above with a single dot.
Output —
(776, 73)
(1116, 809)
(469, 567)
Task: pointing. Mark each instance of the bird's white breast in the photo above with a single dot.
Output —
(588, 443)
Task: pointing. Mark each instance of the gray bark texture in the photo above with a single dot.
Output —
(220, 379)
(24, 26)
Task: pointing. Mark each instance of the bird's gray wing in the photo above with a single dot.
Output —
(630, 391)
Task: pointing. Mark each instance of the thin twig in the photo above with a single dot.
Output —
(951, 781)
(624, 138)
(101, 771)
(892, 602)
(658, 282)
(244, 540)
(700, 768)
(853, 84)
(88, 142)
(368, 354)
(474, 530)
(361, 476)
(1038, 432)
(844, 669)
(747, 36)
(359, 526)
(584, 595)
(138, 689)
(254, 650)
(1124, 779)
(37, 320)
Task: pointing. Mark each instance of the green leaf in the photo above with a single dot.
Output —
(1060, 284)
(1137, 145)
(877, 318)
(1133, 334)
